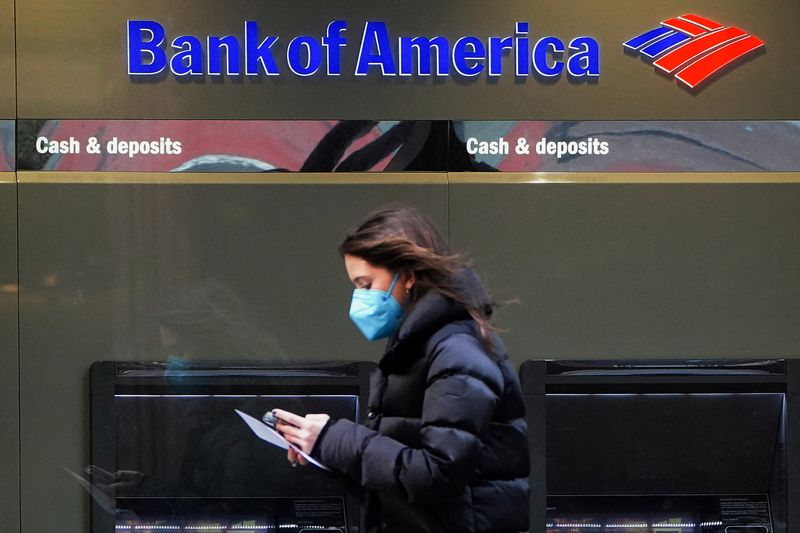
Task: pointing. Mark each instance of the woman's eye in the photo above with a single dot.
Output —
(367, 286)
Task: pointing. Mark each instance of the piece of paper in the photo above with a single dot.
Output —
(266, 433)
(106, 502)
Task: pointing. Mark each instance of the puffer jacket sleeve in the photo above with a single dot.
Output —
(463, 388)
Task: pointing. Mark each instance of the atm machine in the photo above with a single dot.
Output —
(170, 453)
(664, 446)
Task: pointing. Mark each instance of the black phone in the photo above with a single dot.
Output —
(270, 419)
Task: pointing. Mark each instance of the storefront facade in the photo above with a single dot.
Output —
(630, 216)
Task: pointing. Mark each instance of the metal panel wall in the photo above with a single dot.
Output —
(131, 271)
(134, 270)
(9, 356)
(8, 106)
(637, 270)
(72, 62)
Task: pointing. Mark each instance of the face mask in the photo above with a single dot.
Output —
(376, 313)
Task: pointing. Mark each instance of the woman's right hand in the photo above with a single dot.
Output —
(295, 458)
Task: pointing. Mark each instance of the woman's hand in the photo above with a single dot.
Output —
(295, 458)
(302, 431)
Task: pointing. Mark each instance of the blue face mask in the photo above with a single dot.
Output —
(376, 313)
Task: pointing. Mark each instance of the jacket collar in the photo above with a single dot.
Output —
(428, 315)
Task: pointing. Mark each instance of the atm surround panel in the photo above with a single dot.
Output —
(659, 446)
(170, 453)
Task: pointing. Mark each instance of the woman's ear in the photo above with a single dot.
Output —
(410, 280)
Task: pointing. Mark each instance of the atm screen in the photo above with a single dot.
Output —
(196, 445)
(170, 452)
(664, 463)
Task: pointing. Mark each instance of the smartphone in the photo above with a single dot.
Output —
(270, 419)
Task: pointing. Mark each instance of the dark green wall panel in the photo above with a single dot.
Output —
(105, 266)
(609, 271)
(8, 106)
(602, 270)
(72, 62)
(9, 360)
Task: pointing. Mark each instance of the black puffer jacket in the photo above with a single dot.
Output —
(445, 447)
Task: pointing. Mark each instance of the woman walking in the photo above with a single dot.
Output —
(444, 448)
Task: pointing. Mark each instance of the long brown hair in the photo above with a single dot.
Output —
(400, 238)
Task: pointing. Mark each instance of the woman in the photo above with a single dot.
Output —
(445, 446)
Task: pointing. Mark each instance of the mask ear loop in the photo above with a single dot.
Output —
(391, 287)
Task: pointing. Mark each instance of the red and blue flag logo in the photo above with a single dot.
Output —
(694, 49)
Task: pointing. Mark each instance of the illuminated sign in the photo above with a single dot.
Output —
(690, 48)
(152, 53)
(694, 49)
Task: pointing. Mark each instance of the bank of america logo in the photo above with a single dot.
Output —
(694, 49)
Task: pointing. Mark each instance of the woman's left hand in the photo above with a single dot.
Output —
(302, 431)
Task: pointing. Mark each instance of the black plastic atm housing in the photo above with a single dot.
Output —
(626, 440)
(181, 459)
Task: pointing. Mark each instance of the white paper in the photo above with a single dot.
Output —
(103, 500)
(266, 433)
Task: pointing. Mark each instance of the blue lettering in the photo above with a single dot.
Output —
(231, 46)
(375, 37)
(145, 37)
(425, 47)
(333, 43)
(586, 63)
(258, 53)
(468, 62)
(497, 48)
(521, 51)
(469, 56)
(313, 52)
(541, 59)
(189, 61)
